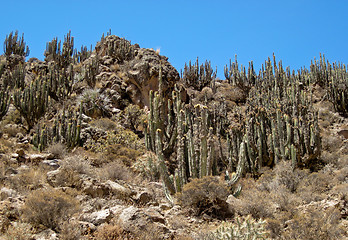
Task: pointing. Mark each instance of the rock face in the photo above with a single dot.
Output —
(130, 72)
(136, 219)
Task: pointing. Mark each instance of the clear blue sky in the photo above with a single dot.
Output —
(296, 31)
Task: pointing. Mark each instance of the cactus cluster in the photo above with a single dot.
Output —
(66, 129)
(62, 55)
(247, 228)
(190, 132)
(198, 76)
(334, 78)
(32, 101)
(14, 78)
(59, 81)
(278, 124)
(15, 45)
(83, 54)
(90, 72)
(237, 75)
(121, 49)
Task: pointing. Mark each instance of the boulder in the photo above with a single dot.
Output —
(94, 188)
(128, 72)
(47, 234)
(143, 197)
(136, 220)
(51, 164)
(118, 190)
(99, 217)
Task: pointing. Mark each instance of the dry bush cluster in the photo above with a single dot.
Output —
(49, 208)
(206, 195)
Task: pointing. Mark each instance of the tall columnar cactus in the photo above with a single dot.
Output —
(198, 76)
(193, 136)
(90, 72)
(14, 78)
(279, 123)
(15, 45)
(65, 129)
(60, 81)
(83, 54)
(32, 102)
(62, 55)
(4, 102)
(121, 49)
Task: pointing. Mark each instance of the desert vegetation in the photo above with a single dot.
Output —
(113, 143)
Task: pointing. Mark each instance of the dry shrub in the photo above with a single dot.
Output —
(206, 195)
(104, 123)
(120, 135)
(58, 150)
(112, 232)
(256, 203)
(331, 143)
(66, 178)
(6, 146)
(27, 180)
(115, 171)
(12, 130)
(133, 117)
(314, 224)
(315, 186)
(69, 174)
(78, 164)
(48, 208)
(342, 175)
(118, 151)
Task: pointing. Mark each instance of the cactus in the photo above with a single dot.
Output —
(62, 55)
(66, 129)
(90, 72)
(15, 77)
(15, 45)
(60, 81)
(121, 49)
(242, 228)
(198, 76)
(4, 102)
(32, 102)
(83, 54)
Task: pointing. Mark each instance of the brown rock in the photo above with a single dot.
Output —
(131, 71)
(343, 133)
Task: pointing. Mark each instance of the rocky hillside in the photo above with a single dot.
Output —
(113, 143)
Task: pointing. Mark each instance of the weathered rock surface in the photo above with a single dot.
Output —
(132, 75)
(135, 219)
(98, 217)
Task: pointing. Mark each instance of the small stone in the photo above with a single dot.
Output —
(20, 152)
(51, 164)
(143, 197)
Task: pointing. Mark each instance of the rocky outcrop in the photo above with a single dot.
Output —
(128, 72)
(135, 219)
